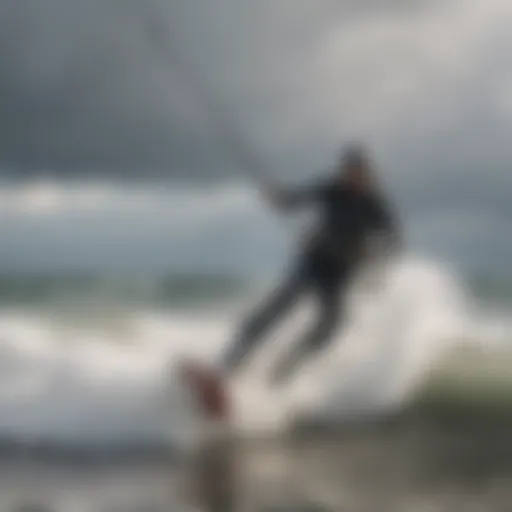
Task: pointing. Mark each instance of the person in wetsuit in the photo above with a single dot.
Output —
(351, 208)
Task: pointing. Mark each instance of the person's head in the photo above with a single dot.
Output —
(355, 169)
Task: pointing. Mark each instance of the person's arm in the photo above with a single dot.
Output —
(288, 199)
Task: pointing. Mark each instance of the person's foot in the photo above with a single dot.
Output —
(209, 388)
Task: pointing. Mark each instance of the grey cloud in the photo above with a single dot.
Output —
(94, 87)
(151, 229)
(139, 229)
(83, 92)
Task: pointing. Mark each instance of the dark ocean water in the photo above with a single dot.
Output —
(179, 289)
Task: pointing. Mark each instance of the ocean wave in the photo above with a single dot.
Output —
(67, 384)
(164, 291)
(472, 380)
(186, 288)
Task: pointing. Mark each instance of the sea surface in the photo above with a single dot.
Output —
(410, 409)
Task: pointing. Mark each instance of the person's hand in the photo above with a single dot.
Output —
(273, 195)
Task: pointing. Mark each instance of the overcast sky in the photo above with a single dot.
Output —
(118, 88)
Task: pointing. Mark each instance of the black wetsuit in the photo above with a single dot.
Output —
(327, 260)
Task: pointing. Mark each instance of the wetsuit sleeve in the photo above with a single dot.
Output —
(300, 196)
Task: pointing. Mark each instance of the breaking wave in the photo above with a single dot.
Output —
(108, 381)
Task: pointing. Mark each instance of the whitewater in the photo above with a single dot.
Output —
(68, 385)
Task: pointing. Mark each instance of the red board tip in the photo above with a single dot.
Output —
(209, 389)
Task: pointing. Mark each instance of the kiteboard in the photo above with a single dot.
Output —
(211, 468)
(209, 390)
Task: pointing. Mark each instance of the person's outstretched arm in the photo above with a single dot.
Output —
(289, 199)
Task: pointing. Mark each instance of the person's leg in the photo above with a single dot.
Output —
(330, 301)
(258, 323)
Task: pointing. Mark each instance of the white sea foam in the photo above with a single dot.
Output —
(79, 386)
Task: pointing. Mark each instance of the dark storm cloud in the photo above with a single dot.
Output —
(103, 87)
(94, 86)
(83, 91)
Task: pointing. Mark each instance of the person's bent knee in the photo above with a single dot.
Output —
(324, 331)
